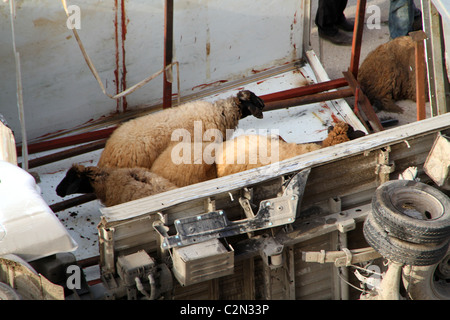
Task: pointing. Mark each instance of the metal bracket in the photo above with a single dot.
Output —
(342, 258)
(271, 213)
(272, 252)
(384, 167)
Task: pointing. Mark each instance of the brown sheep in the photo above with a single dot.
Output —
(388, 74)
(112, 186)
(138, 142)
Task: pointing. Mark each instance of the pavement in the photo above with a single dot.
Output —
(336, 59)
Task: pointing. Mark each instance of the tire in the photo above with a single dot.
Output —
(8, 293)
(401, 251)
(428, 282)
(412, 211)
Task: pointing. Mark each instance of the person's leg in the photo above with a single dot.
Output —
(401, 17)
(342, 22)
(329, 15)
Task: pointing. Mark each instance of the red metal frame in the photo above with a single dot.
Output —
(307, 94)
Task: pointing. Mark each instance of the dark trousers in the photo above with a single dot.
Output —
(329, 13)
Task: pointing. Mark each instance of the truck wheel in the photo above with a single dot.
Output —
(8, 293)
(401, 251)
(428, 282)
(412, 211)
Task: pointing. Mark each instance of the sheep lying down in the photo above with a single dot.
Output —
(112, 186)
(252, 151)
(388, 74)
(138, 142)
(242, 153)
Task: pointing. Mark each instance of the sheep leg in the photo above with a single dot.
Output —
(389, 105)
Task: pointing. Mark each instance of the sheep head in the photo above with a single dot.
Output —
(341, 132)
(250, 104)
(77, 180)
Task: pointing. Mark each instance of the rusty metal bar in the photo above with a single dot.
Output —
(88, 262)
(419, 47)
(305, 90)
(363, 102)
(357, 37)
(66, 154)
(168, 51)
(67, 141)
(63, 205)
(308, 99)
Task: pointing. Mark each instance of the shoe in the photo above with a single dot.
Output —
(340, 39)
(417, 24)
(346, 25)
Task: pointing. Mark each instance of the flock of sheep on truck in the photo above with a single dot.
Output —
(137, 160)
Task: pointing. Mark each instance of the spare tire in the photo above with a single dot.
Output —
(412, 211)
(428, 282)
(401, 251)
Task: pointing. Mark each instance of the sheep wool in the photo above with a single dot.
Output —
(337, 134)
(388, 74)
(258, 146)
(252, 151)
(183, 163)
(138, 142)
(112, 186)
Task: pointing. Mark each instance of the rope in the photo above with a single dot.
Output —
(133, 88)
(19, 89)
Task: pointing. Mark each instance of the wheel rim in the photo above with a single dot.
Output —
(440, 282)
(416, 204)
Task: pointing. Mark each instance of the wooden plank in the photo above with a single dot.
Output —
(249, 278)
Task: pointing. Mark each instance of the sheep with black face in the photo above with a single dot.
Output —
(112, 186)
(138, 142)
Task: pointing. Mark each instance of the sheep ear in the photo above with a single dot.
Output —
(353, 134)
(251, 104)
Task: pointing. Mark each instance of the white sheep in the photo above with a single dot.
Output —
(138, 142)
(112, 186)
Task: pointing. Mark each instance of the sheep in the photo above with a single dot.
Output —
(182, 164)
(341, 132)
(388, 74)
(247, 146)
(186, 163)
(138, 142)
(112, 186)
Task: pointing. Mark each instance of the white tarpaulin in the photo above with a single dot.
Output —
(28, 227)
